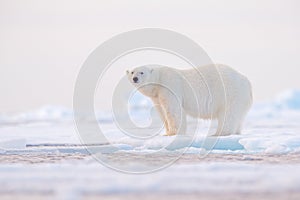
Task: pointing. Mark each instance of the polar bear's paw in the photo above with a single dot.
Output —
(169, 134)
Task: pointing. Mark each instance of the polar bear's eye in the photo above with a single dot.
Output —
(142, 72)
(131, 72)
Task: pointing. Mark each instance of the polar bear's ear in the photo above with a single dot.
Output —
(151, 71)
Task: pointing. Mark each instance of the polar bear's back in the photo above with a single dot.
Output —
(237, 87)
(217, 87)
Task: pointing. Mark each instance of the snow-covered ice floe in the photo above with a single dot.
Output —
(270, 127)
(67, 181)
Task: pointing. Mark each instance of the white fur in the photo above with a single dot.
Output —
(208, 92)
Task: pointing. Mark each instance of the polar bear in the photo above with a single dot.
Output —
(212, 91)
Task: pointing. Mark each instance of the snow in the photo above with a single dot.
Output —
(13, 144)
(68, 180)
(289, 99)
(270, 127)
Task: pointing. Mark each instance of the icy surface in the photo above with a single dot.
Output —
(67, 181)
(270, 127)
(13, 144)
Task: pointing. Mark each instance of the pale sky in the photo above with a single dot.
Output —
(44, 43)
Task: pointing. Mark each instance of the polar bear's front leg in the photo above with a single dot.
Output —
(175, 116)
(161, 113)
(162, 116)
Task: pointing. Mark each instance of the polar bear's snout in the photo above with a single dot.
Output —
(135, 79)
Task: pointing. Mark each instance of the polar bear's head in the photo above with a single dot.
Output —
(140, 75)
